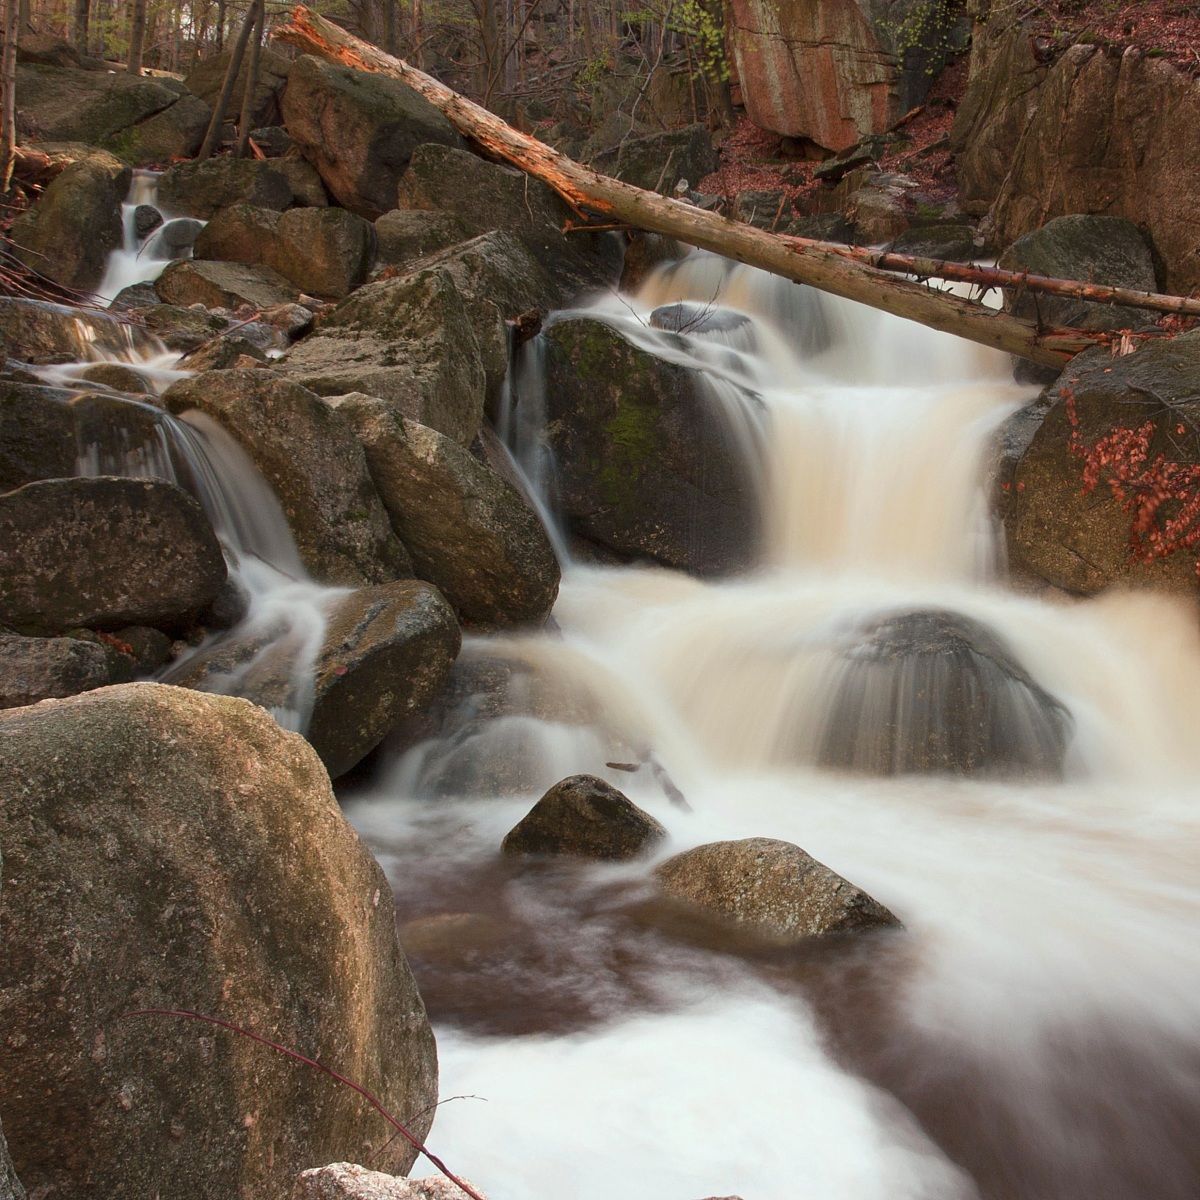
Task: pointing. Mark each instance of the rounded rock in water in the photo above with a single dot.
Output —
(938, 693)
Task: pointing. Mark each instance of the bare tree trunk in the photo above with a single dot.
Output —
(235, 65)
(137, 35)
(247, 118)
(8, 95)
(25, 19)
(845, 271)
(220, 39)
(80, 28)
(416, 34)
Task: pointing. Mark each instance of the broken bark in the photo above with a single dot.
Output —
(851, 272)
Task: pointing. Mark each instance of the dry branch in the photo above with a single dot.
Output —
(854, 273)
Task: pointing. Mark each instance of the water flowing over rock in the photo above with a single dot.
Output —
(1108, 250)
(935, 692)
(359, 130)
(772, 889)
(584, 817)
(1081, 542)
(202, 845)
(468, 530)
(829, 71)
(346, 1181)
(203, 188)
(33, 669)
(76, 223)
(646, 464)
(408, 341)
(44, 330)
(104, 553)
(314, 463)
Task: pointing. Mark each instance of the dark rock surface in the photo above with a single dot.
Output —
(33, 669)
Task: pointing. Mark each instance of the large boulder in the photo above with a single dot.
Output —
(33, 330)
(835, 71)
(488, 196)
(646, 462)
(312, 460)
(76, 224)
(224, 285)
(33, 669)
(658, 161)
(359, 130)
(207, 78)
(584, 817)
(322, 251)
(1107, 250)
(771, 889)
(386, 652)
(202, 188)
(1095, 132)
(1111, 445)
(409, 341)
(144, 121)
(167, 849)
(104, 553)
(468, 530)
(404, 235)
(932, 692)
(37, 434)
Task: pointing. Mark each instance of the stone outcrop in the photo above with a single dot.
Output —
(201, 189)
(33, 669)
(831, 72)
(358, 130)
(104, 553)
(409, 341)
(1056, 533)
(1095, 131)
(467, 530)
(167, 849)
(771, 889)
(584, 817)
(76, 223)
(932, 692)
(646, 462)
(315, 465)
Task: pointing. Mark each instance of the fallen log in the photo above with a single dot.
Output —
(851, 272)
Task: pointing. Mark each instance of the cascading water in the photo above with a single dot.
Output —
(1032, 1033)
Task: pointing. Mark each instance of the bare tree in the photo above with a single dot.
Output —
(8, 94)
(83, 11)
(137, 35)
(259, 8)
(235, 65)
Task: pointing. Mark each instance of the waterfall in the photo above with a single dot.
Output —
(1014, 776)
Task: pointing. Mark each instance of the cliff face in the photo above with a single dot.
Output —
(1096, 130)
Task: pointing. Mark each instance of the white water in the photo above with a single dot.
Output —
(1033, 1033)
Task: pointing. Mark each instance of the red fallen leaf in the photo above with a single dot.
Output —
(341, 670)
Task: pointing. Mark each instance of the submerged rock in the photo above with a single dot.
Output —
(346, 1181)
(359, 130)
(938, 693)
(584, 817)
(33, 669)
(309, 455)
(772, 888)
(194, 838)
(647, 463)
(104, 553)
(468, 531)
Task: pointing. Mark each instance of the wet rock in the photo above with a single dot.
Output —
(658, 161)
(487, 196)
(207, 78)
(201, 189)
(346, 1181)
(33, 668)
(118, 377)
(772, 888)
(455, 939)
(224, 285)
(104, 553)
(151, 648)
(408, 341)
(146, 219)
(468, 531)
(584, 817)
(938, 693)
(647, 463)
(175, 239)
(323, 251)
(76, 223)
(37, 434)
(102, 848)
(311, 458)
(387, 651)
(222, 353)
(405, 235)
(358, 130)
(1081, 542)
(34, 330)
(1107, 250)
(686, 317)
